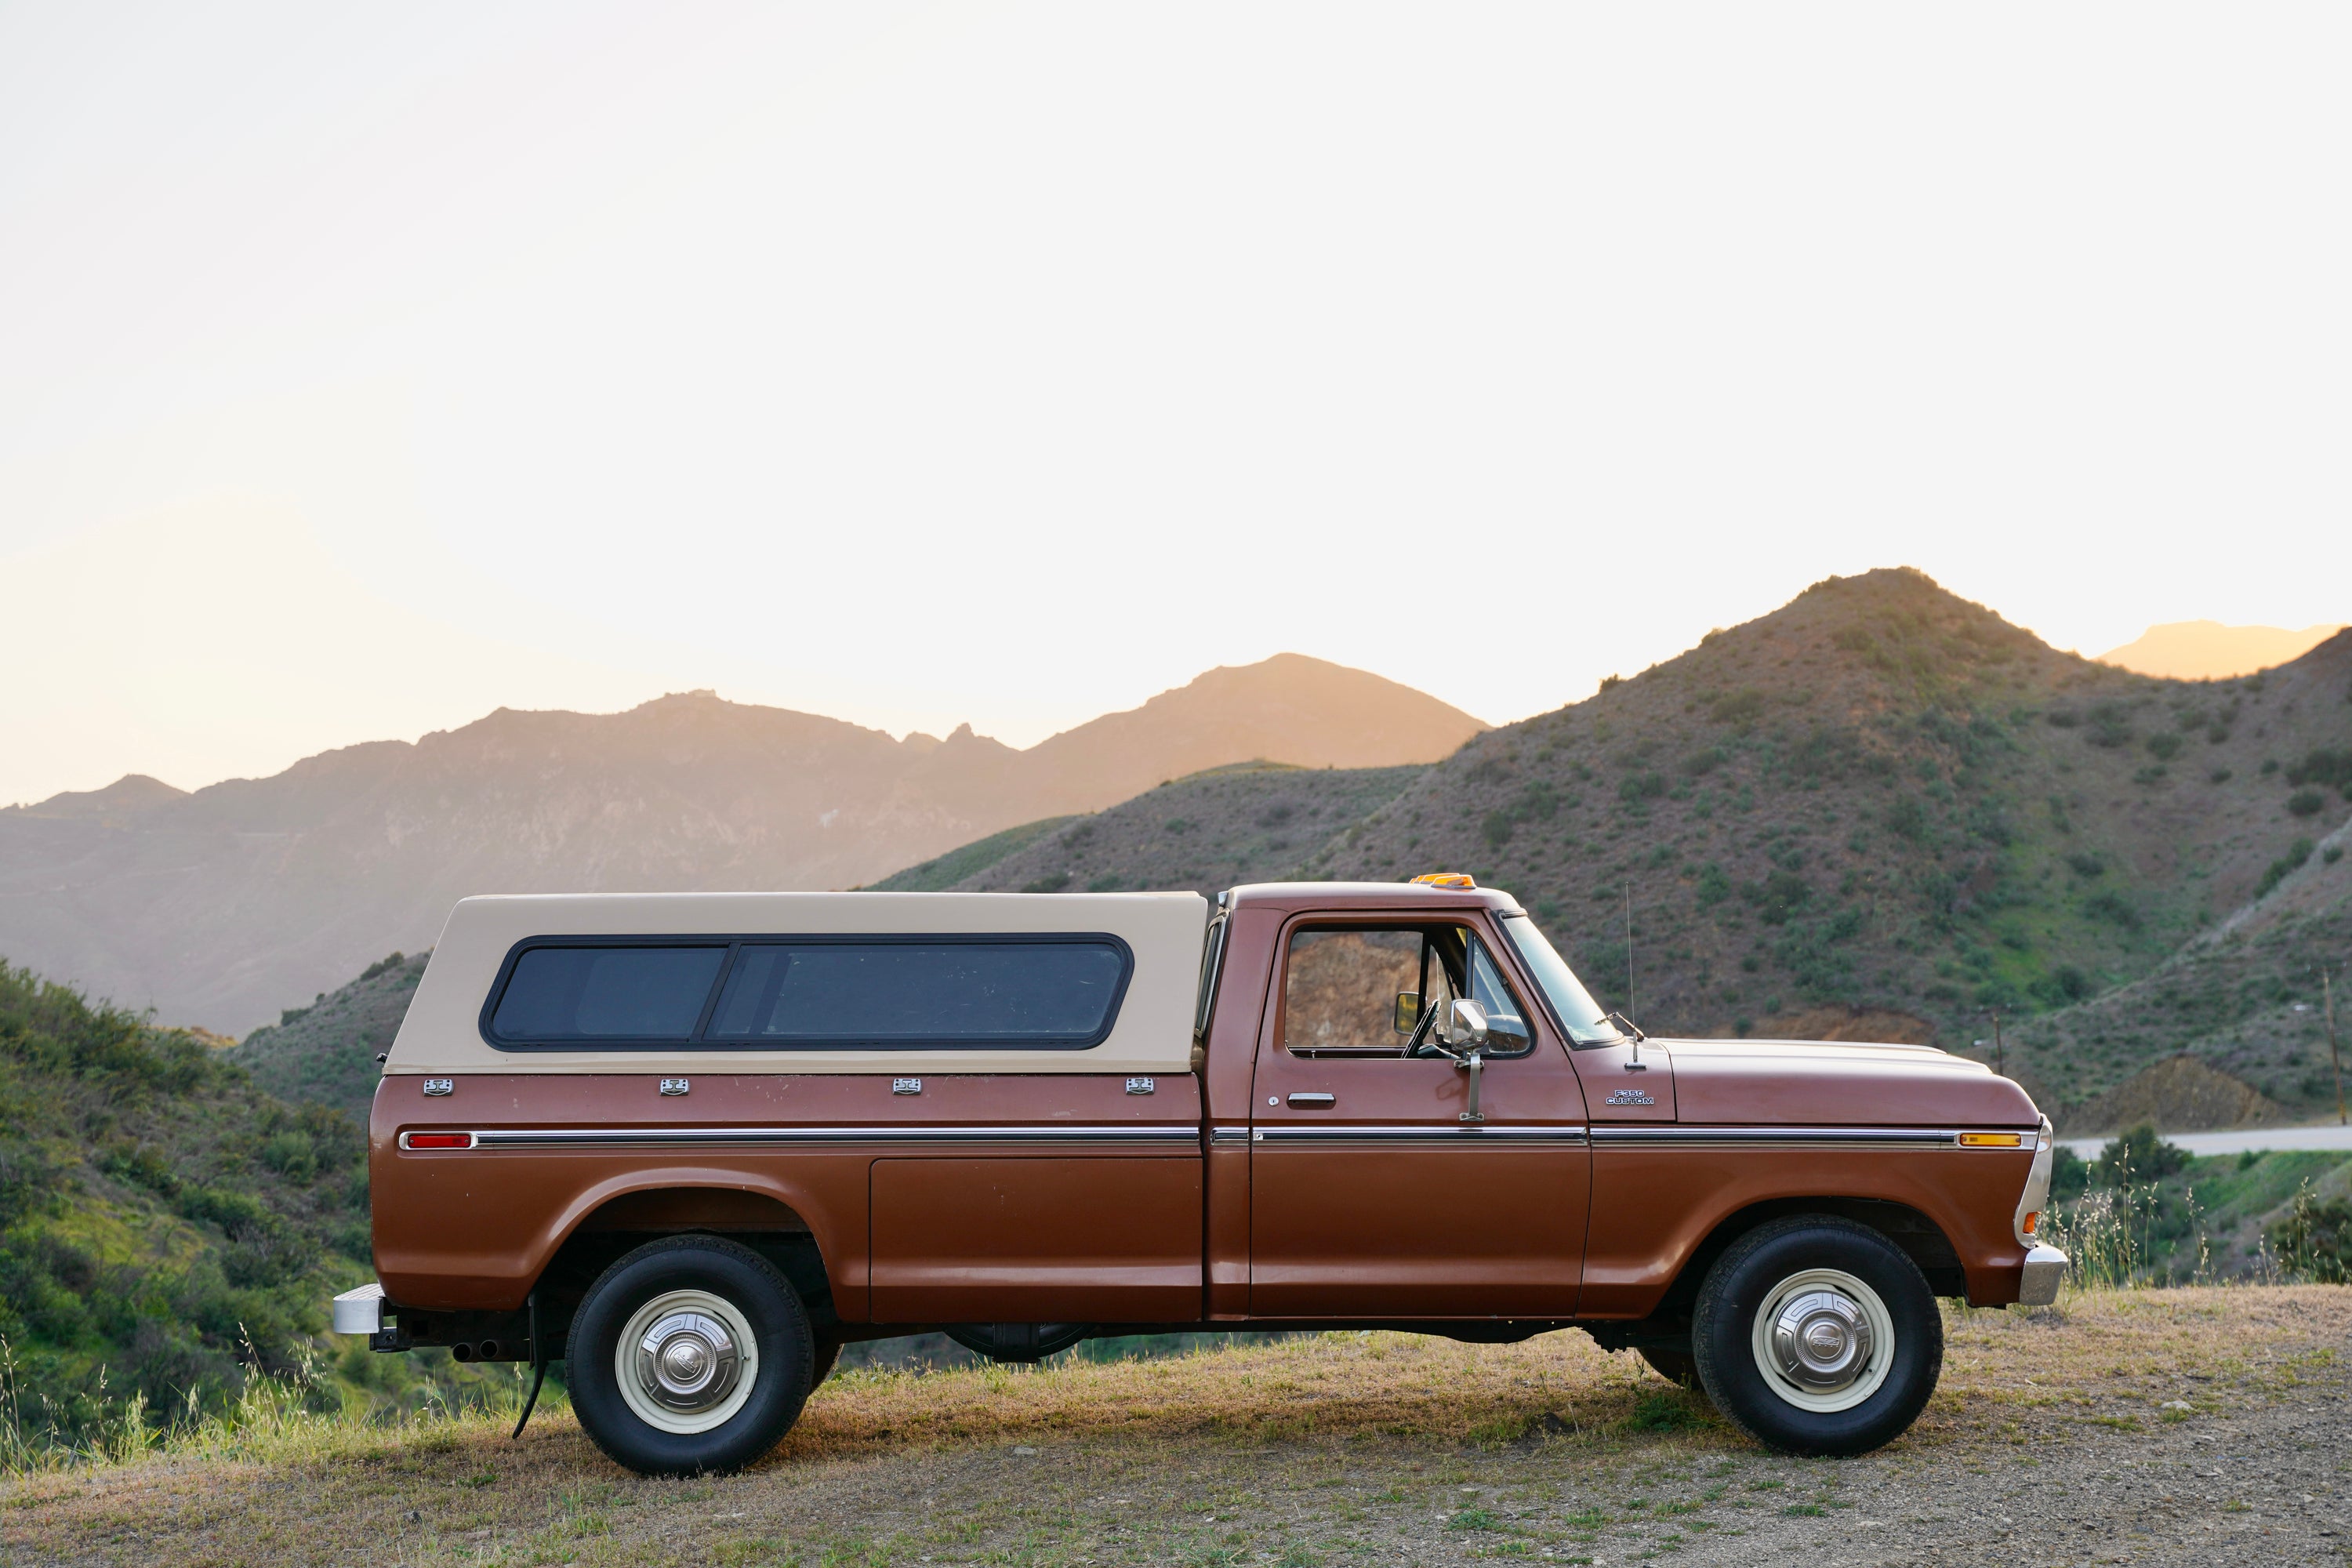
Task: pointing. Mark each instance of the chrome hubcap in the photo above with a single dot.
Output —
(1822, 1339)
(687, 1362)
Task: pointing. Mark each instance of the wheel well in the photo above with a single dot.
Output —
(1921, 1239)
(622, 1225)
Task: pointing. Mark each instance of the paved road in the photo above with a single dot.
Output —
(2328, 1137)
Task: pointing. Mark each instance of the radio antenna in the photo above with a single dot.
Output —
(1629, 977)
(1628, 950)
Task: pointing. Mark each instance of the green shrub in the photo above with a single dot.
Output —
(2110, 725)
(2164, 747)
(2138, 1155)
(2305, 803)
(1641, 787)
(1742, 707)
(2324, 765)
(2110, 906)
(2314, 1238)
(2070, 1175)
(1779, 896)
(382, 965)
(1907, 818)
(2279, 870)
(292, 1154)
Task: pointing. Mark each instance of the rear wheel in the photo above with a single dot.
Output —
(690, 1354)
(1816, 1335)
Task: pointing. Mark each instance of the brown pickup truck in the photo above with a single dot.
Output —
(691, 1144)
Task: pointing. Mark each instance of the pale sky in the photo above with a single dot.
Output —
(362, 369)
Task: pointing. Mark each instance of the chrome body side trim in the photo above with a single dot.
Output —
(1730, 1137)
(1482, 1133)
(817, 1137)
(1229, 1135)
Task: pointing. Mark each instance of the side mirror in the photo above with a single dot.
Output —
(1465, 1025)
(1407, 1011)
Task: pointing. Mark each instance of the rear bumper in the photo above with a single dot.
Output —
(360, 1310)
(2045, 1270)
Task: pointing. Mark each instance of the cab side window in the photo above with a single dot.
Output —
(1361, 991)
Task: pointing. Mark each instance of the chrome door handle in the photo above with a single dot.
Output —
(1313, 1099)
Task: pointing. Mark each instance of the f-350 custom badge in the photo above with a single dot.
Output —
(1631, 1096)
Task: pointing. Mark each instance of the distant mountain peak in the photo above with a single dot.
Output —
(2208, 650)
(131, 793)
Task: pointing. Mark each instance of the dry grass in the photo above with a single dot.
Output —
(1295, 1452)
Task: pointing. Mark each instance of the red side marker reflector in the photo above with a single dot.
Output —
(437, 1141)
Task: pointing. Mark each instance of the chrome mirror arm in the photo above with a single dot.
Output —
(1475, 1064)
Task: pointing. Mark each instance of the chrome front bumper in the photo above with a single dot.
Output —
(2045, 1270)
(360, 1310)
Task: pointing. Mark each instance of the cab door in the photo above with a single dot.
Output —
(1371, 1194)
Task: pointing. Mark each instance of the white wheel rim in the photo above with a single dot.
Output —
(687, 1362)
(1823, 1339)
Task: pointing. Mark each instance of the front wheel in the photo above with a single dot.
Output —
(1818, 1336)
(689, 1355)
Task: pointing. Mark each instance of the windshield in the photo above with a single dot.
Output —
(1577, 1013)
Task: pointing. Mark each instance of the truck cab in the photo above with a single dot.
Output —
(691, 1144)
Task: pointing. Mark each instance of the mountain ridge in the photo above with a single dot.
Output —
(219, 906)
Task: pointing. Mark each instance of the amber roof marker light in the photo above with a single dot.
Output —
(1444, 879)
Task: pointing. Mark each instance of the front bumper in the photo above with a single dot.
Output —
(2045, 1270)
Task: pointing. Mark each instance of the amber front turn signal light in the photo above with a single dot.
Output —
(1990, 1139)
(2030, 1221)
(1444, 879)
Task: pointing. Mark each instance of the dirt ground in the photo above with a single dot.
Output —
(2181, 1427)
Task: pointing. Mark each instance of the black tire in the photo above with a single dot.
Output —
(826, 1350)
(1674, 1366)
(760, 1300)
(1757, 1269)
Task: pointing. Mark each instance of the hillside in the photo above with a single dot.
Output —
(1882, 796)
(325, 1054)
(167, 1228)
(1248, 823)
(2243, 998)
(219, 906)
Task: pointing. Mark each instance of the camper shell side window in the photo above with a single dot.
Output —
(998, 991)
